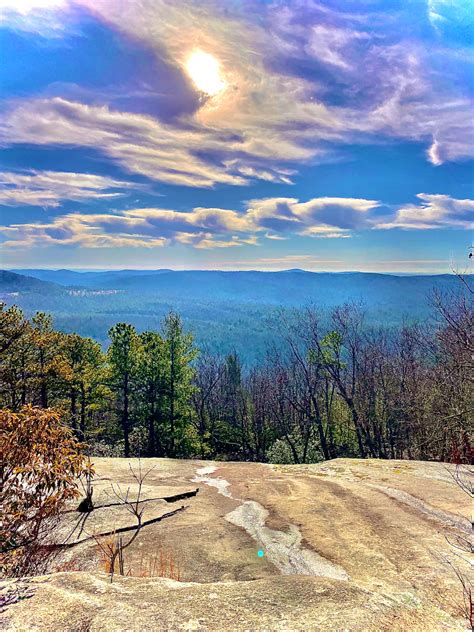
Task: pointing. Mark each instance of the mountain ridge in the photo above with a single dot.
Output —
(226, 311)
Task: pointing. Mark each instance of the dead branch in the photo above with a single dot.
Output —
(167, 499)
(135, 527)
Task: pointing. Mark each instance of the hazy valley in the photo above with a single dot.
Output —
(226, 311)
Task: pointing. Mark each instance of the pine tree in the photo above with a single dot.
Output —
(151, 375)
(179, 354)
(16, 361)
(123, 356)
(48, 369)
(84, 363)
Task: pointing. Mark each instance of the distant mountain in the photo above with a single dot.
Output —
(10, 282)
(226, 310)
(73, 278)
(251, 284)
(289, 287)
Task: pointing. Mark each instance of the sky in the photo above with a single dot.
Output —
(237, 134)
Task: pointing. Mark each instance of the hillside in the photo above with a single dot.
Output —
(289, 287)
(11, 282)
(348, 545)
(226, 311)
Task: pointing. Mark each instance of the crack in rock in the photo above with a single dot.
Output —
(282, 549)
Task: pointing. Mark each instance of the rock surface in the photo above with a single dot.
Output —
(347, 545)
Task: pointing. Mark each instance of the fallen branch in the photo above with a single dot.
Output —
(168, 499)
(70, 545)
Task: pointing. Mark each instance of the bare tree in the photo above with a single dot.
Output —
(112, 543)
(462, 545)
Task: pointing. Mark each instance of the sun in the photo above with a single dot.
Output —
(204, 70)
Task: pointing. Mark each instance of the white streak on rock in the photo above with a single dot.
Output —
(281, 549)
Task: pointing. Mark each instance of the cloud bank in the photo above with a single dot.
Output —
(210, 228)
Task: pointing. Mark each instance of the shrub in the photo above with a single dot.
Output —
(41, 464)
(280, 451)
(103, 449)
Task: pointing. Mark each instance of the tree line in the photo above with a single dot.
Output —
(326, 390)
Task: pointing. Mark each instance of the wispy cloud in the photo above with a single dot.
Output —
(141, 144)
(369, 75)
(49, 188)
(145, 228)
(36, 16)
(392, 82)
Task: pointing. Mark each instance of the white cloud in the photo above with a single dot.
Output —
(35, 16)
(74, 229)
(332, 45)
(139, 143)
(434, 211)
(49, 188)
(269, 114)
(26, 6)
(260, 104)
(146, 228)
(318, 217)
(210, 228)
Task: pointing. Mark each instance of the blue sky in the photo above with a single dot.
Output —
(325, 135)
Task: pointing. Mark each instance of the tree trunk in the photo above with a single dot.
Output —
(82, 422)
(172, 404)
(73, 396)
(125, 417)
(151, 431)
(355, 420)
(43, 387)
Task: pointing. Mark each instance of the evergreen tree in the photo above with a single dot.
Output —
(179, 351)
(12, 326)
(151, 375)
(47, 361)
(123, 356)
(235, 403)
(16, 360)
(84, 363)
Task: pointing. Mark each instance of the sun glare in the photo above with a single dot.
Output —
(204, 70)
(24, 6)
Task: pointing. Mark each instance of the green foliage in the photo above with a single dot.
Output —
(351, 390)
(328, 352)
(123, 356)
(179, 353)
(84, 376)
(281, 452)
(12, 326)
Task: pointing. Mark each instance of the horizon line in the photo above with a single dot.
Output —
(349, 271)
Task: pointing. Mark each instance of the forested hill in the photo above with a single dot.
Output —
(13, 283)
(226, 310)
(290, 287)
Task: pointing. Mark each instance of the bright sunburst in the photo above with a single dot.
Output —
(204, 70)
